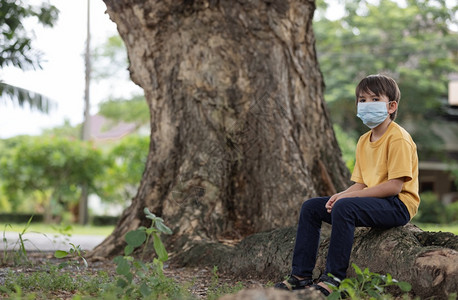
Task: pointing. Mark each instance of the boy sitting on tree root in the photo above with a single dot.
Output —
(384, 193)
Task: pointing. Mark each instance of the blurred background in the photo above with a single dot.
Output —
(74, 130)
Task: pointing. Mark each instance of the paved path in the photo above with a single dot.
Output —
(48, 242)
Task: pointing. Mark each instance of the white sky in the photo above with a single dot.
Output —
(62, 76)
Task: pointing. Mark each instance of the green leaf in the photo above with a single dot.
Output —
(163, 228)
(152, 218)
(135, 238)
(121, 283)
(376, 280)
(378, 288)
(360, 277)
(389, 278)
(334, 296)
(118, 259)
(60, 254)
(27, 225)
(347, 284)
(129, 277)
(159, 248)
(145, 290)
(84, 262)
(357, 269)
(373, 294)
(149, 214)
(123, 267)
(138, 264)
(128, 250)
(405, 286)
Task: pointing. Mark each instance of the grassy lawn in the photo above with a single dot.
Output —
(106, 230)
(55, 229)
(453, 228)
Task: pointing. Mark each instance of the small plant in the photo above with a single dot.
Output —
(75, 251)
(138, 279)
(22, 250)
(21, 255)
(5, 243)
(366, 285)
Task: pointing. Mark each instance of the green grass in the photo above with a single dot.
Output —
(55, 229)
(106, 230)
(453, 228)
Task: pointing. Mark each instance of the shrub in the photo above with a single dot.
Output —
(452, 212)
(431, 210)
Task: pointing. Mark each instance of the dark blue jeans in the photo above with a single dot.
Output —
(346, 214)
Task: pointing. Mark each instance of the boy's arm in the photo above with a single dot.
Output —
(390, 188)
(355, 187)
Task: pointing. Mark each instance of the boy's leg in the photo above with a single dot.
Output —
(349, 213)
(313, 212)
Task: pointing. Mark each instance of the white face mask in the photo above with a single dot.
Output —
(372, 113)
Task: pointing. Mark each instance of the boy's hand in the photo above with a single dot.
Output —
(331, 202)
(350, 191)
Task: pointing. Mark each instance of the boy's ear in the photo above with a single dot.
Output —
(392, 107)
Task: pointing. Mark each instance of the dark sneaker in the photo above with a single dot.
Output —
(293, 283)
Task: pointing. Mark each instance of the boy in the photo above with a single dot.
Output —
(385, 192)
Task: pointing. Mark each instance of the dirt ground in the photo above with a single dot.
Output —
(201, 278)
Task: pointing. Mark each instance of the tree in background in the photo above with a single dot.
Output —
(51, 169)
(110, 61)
(114, 177)
(416, 43)
(16, 47)
(66, 130)
(120, 181)
(133, 110)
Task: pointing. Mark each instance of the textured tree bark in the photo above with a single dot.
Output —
(240, 134)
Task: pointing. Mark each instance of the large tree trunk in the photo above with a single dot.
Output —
(240, 135)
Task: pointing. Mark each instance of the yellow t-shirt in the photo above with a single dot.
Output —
(392, 156)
